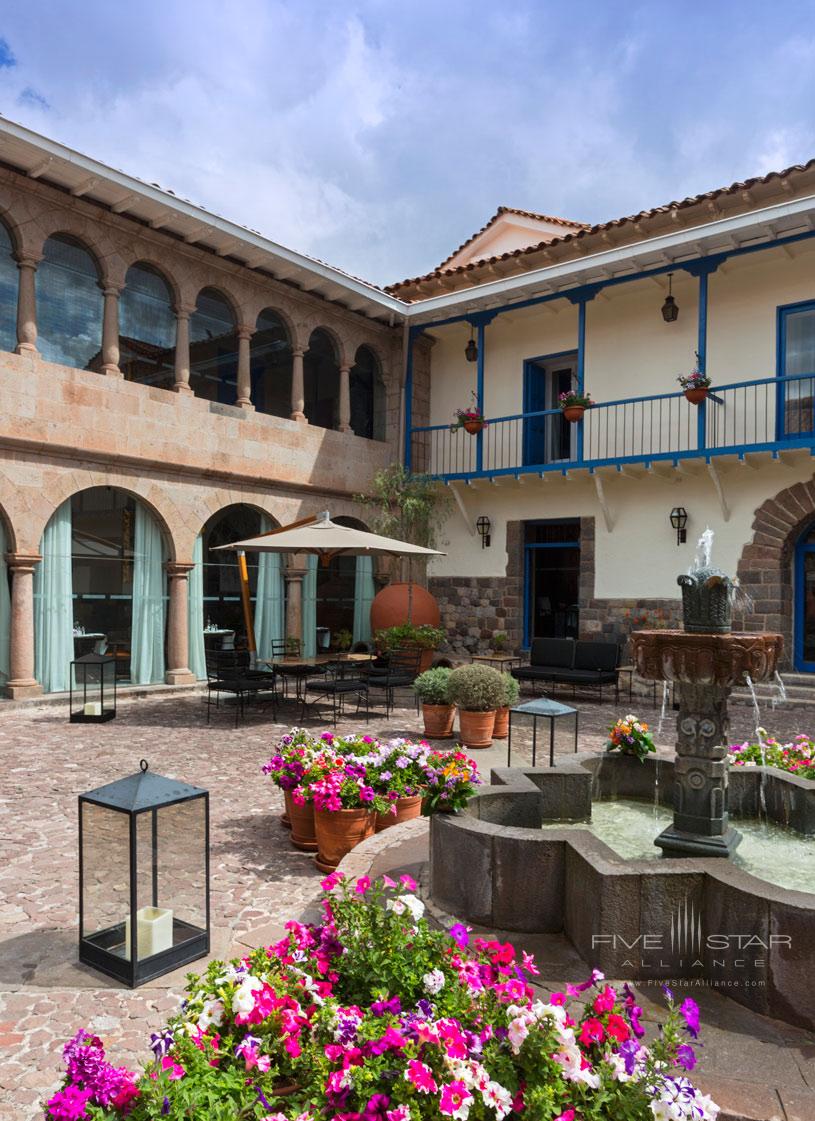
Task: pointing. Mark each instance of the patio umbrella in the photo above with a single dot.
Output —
(321, 537)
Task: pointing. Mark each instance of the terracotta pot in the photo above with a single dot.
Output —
(438, 721)
(390, 607)
(500, 730)
(573, 413)
(476, 727)
(406, 810)
(303, 836)
(285, 820)
(472, 426)
(338, 832)
(696, 396)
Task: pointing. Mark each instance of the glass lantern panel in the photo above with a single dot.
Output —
(105, 876)
(171, 886)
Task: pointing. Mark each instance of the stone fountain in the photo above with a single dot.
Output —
(704, 661)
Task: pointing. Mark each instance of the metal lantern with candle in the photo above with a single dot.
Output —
(92, 689)
(143, 867)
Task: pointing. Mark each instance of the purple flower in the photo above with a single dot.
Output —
(367, 794)
(686, 1056)
(668, 992)
(458, 932)
(689, 1010)
(161, 1042)
(165, 1106)
(628, 1053)
(68, 1104)
(387, 1007)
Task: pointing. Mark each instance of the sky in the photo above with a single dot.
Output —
(380, 134)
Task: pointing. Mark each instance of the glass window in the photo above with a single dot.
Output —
(271, 366)
(367, 396)
(8, 292)
(336, 587)
(222, 584)
(321, 378)
(147, 328)
(798, 327)
(69, 305)
(213, 349)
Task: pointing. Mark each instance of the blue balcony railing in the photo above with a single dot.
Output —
(766, 414)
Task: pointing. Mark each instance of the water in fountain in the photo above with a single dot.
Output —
(781, 691)
(656, 788)
(665, 694)
(704, 551)
(760, 733)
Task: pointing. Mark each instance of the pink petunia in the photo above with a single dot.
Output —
(362, 885)
(455, 1099)
(421, 1076)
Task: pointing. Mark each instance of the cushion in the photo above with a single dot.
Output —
(552, 652)
(531, 673)
(596, 655)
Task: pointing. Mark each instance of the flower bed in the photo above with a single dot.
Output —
(797, 757)
(374, 1016)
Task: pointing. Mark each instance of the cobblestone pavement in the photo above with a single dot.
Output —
(258, 880)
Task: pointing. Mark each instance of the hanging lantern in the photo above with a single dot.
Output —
(670, 311)
(679, 520)
(471, 349)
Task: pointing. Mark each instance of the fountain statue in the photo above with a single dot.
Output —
(704, 661)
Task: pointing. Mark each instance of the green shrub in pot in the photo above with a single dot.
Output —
(433, 686)
(407, 634)
(512, 690)
(478, 691)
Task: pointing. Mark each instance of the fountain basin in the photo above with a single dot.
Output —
(652, 920)
(690, 658)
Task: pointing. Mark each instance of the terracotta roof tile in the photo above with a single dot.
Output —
(588, 231)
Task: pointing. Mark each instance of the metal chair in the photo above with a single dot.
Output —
(402, 669)
(340, 680)
(298, 672)
(225, 675)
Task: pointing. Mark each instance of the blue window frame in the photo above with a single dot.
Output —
(795, 361)
(547, 439)
(804, 637)
(551, 573)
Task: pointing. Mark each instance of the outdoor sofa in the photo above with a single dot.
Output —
(566, 661)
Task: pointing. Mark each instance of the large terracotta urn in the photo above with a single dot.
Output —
(390, 607)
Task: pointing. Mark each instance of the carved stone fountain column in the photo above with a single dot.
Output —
(700, 826)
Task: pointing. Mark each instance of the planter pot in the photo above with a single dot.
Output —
(406, 810)
(303, 836)
(338, 832)
(573, 413)
(500, 730)
(476, 727)
(390, 607)
(473, 426)
(285, 820)
(696, 396)
(438, 721)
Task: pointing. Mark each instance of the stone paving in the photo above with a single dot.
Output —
(258, 880)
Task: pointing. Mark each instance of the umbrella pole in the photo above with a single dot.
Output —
(246, 600)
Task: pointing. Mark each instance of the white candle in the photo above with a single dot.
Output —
(93, 708)
(154, 931)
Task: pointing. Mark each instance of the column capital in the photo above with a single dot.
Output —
(109, 289)
(294, 574)
(244, 331)
(22, 562)
(27, 260)
(183, 311)
(346, 368)
(298, 351)
(178, 569)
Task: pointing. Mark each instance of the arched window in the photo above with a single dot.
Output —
(8, 292)
(271, 365)
(147, 328)
(343, 595)
(321, 381)
(213, 349)
(69, 305)
(367, 396)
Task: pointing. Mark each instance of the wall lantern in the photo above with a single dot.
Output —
(483, 525)
(92, 697)
(679, 519)
(670, 312)
(471, 349)
(143, 868)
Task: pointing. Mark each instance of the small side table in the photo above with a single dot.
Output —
(502, 662)
(542, 707)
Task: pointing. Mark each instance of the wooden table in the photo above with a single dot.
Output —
(502, 662)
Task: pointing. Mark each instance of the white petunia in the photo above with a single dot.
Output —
(433, 981)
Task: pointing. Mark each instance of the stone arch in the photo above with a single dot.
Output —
(765, 568)
(13, 229)
(74, 226)
(226, 294)
(159, 266)
(152, 496)
(334, 335)
(8, 525)
(212, 501)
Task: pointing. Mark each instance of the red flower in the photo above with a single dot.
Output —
(592, 1032)
(617, 1028)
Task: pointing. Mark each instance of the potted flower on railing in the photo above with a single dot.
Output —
(573, 404)
(695, 384)
(478, 691)
(472, 420)
(433, 689)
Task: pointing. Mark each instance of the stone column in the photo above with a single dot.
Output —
(297, 387)
(27, 305)
(182, 349)
(294, 600)
(22, 682)
(110, 332)
(345, 399)
(244, 398)
(178, 652)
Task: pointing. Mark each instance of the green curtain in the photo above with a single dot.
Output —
(310, 608)
(195, 611)
(147, 634)
(363, 595)
(269, 626)
(53, 604)
(5, 608)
